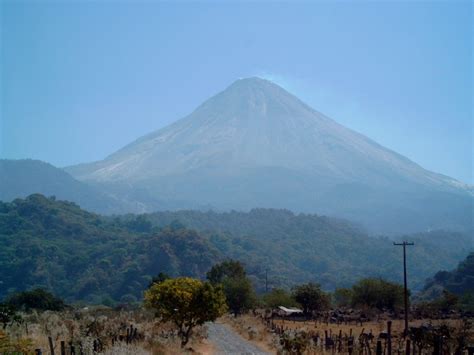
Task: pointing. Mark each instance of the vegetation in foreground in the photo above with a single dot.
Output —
(176, 310)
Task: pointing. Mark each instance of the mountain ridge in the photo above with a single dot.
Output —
(23, 177)
(255, 86)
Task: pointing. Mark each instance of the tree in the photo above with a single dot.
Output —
(140, 224)
(237, 287)
(186, 302)
(377, 293)
(311, 297)
(239, 294)
(342, 297)
(226, 269)
(159, 278)
(447, 302)
(8, 315)
(38, 299)
(278, 297)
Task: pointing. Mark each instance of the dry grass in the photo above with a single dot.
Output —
(255, 330)
(88, 325)
(374, 327)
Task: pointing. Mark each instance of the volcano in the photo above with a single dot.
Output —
(256, 145)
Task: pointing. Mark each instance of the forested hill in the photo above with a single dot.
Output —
(334, 252)
(83, 256)
(459, 281)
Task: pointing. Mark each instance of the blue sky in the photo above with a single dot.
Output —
(82, 79)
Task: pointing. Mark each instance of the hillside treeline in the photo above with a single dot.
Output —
(83, 256)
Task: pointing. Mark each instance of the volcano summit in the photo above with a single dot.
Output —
(256, 145)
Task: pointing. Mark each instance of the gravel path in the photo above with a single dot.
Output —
(227, 341)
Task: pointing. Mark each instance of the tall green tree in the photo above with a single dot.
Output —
(238, 289)
(186, 302)
(311, 297)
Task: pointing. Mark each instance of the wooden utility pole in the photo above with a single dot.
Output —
(404, 244)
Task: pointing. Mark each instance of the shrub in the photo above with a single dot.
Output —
(38, 299)
(377, 293)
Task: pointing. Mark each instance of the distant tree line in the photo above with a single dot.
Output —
(85, 257)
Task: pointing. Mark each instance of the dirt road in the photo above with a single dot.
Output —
(227, 341)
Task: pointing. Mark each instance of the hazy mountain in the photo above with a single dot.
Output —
(20, 178)
(256, 145)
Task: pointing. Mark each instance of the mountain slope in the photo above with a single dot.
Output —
(20, 178)
(256, 145)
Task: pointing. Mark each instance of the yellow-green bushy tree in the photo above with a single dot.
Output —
(186, 302)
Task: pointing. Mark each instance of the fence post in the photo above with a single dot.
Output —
(51, 347)
(378, 350)
(407, 347)
(63, 348)
(389, 337)
(437, 346)
(350, 345)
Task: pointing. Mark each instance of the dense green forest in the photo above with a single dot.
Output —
(459, 281)
(83, 256)
(296, 248)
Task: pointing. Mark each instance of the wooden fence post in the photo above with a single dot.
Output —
(378, 350)
(63, 348)
(389, 337)
(437, 346)
(51, 347)
(350, 345)
(407, 347)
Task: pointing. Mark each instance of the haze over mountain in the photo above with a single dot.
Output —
(20, 178)
(256, 145)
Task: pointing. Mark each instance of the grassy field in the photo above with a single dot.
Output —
(257, 330)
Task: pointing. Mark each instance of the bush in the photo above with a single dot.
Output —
(8, 315)
(38, 299)
(377, 293)
(278, 297)
(342, 297)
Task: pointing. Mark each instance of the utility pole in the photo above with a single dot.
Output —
(404, 244)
